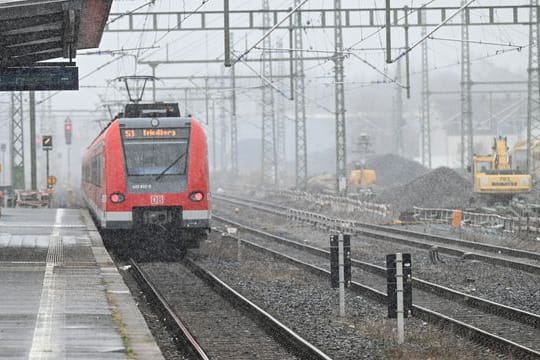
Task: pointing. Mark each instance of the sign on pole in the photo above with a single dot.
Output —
(47, 142)
(51, 180)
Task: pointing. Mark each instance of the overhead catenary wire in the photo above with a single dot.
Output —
(130, 12)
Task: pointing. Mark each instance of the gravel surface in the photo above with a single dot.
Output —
(439, 188)
(222, 330)
(394, 170)
(305, 303)
(508, 286)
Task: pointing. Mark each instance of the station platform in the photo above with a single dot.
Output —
(61, 296)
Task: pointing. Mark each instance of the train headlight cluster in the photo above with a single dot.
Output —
(117, 197)
(196, 196)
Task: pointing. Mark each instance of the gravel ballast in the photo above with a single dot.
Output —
(306, 303)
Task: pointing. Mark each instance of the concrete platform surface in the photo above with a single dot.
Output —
(61, 296)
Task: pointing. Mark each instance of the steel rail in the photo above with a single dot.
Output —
(404, 237)
(488, 306)
(182, 333)
(472, 332)
(285, 336)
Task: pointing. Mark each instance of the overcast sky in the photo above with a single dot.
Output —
(98, 71)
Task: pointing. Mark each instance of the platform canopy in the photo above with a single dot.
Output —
(37, 30)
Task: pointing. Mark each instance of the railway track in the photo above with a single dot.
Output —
(509, 330)
(214, 321)
(497, 255)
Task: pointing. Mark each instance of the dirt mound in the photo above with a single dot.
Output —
(439, 188)
(394, 170)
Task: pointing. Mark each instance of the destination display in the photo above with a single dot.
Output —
(168, 133)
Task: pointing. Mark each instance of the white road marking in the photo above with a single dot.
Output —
(44, 345)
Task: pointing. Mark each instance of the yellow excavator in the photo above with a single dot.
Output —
(493, 174)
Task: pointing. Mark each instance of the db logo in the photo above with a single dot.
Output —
(157, 199)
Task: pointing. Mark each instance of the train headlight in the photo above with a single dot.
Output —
(117, 197)
(196, 196)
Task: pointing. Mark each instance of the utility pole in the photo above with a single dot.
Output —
(299, 104)
(214, 160)
(33, 152)
(269, 165)
(341, 145)
(16, 141)
(425, 118)
(234, 126)
(280, 129)
(466, 97)
(533, 89)
(397, 142)
(223, 127)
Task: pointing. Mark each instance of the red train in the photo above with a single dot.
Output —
(148, 169)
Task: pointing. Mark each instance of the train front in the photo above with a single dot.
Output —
(165, 171)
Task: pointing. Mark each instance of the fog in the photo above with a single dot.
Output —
(369, 94)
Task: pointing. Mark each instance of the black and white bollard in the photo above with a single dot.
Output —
(399, 290)
(340, 266)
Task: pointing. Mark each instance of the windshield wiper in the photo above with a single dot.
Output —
(170, 166)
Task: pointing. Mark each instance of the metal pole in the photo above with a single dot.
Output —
(398, 112)
(407, 66)
(47, 169)
(533, 89)
(388, 33)
(69, 167)
(341, 261)
(280, 131)
(227, 33)
(425, 118)
(33, 154)
(206, 98)
(299, 106)
(399, 283)
(214, 160)
(291, 56)
(4, 167)
(466, 97)
(341, 145)
(153, 66)
(269, 161)
(16, 141)
(223, 126)
(234, 124)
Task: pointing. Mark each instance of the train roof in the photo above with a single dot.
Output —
(150, 110)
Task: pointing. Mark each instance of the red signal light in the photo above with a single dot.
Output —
(67, 131)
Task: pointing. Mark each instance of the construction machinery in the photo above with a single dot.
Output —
(494, 176)
(361, 178)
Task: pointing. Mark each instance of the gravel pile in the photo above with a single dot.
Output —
(394, 170)
(439, 188)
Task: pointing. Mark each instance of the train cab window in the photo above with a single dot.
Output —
(144, 157)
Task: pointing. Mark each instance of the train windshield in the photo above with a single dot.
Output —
(155, 156)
